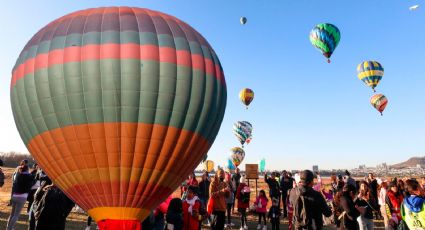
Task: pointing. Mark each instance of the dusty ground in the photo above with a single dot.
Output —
(77, 221)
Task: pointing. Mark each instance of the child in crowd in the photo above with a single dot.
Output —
(261, 209)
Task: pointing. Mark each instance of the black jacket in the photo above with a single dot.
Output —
(286, 184)
(351, 213)
(22, 183)
(204, 189)
(315, 204)
(53, 206)
(175, 219)
(273, 186)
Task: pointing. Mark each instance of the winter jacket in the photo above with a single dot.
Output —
(413, 212)
(218, 193)
(261, 203)
(204, 189)
(274, 187)
(274, 212)
(351, 213)
(286, 183)
(240, 194)
(53, 209)
(315, 204)
(175, 219)
(393, 202)
(23, 182)
(191, 220)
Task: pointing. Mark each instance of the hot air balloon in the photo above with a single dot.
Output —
(243, 20)
(118, 105)
(246, 96)
(237, 155)
(208, 165)
(370, 72)
(325, 37)
(262, 165)
(379, 102)
(230, 166)
(243, 131)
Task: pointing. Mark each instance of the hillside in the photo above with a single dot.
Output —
(412, 162)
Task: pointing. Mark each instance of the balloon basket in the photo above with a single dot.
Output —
(329, 60)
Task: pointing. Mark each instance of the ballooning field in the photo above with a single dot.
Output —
(78, 220)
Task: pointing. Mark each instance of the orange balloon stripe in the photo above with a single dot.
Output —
(117, 51)
(132, 152)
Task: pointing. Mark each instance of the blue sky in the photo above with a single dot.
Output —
(305, 111)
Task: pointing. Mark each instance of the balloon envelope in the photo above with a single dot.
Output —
(243, 20)
(325, 37)
(237, 155)
(370, 72)
(262, 165)
(208, 165)
(243, 131)
(246, 96)
(118, 105)
(379, 102)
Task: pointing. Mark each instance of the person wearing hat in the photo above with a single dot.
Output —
(191, 207)
(309, 205)
(393, 202)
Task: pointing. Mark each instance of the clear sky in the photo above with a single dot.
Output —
(305, 110)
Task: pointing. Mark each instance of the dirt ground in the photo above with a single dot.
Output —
(78, 221)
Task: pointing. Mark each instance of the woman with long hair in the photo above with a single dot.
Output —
(393, 202)
(382, 195)
(365, 199)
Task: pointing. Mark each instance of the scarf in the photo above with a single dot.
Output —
(191, 202)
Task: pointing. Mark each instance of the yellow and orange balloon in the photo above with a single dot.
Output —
(246, 96)
(118, 105)
(379, 102)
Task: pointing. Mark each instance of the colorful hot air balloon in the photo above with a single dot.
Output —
(370, 72)
(237, 155)
(230, 166)
(379, 101)
(325, 37)
(243, 131)
(246, 96)
(262, 165)
(208, 165)
(243, 20)
(118, 105)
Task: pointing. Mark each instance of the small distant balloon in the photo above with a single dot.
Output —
(208, 165)
(262, 165)
(246, 96)
(325, 37)
(371, 73)
(415, 7)
(379, 102)
(237, 155)
(243, 20)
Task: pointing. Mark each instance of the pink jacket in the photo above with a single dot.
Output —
(261, 203)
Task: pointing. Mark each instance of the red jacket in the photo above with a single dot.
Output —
(238, 196)
(263, 200)
(191, 221)
(394, 203)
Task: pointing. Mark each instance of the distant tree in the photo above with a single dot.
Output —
(12, 159)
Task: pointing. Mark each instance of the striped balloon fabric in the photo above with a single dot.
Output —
(325, 37)
(118, 105)
(370, 72)
(379, 102)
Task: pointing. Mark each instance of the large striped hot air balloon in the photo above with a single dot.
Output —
(379, 102)
(371, 73)
(118, 105)
(325, 37)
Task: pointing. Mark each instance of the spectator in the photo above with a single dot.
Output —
(174, 215)
(52, 209)
(21, 187)
(393, 202)
(274, 214)
(382, 201)
(348, 217)
(191, 208)
(219, 190)
(243, 195)
(274, 188)
(229, 200)
(366, 199)
(309, 206)
(191, 181)
(286, 183)
(235, 184)
(412, 210)
(261, 209)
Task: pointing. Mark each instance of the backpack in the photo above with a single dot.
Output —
(300, 218)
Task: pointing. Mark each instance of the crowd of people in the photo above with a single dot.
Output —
(302, 199)
(47, 207)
